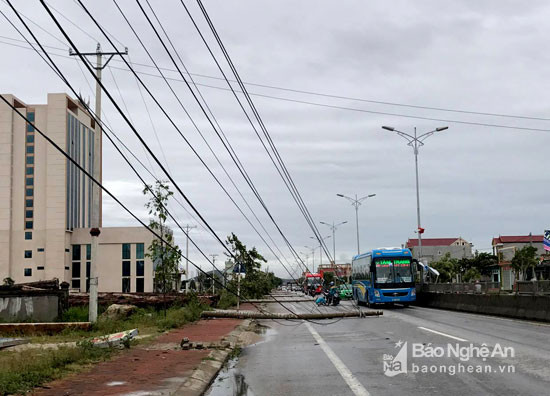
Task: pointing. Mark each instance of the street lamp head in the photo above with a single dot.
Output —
(441, 128)
(371, 195)
(388, 128)
(340, 195)
(322, 222)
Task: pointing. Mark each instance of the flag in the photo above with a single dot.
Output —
(546, 240)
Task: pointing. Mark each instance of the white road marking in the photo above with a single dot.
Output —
(443, 334)
(353, 383)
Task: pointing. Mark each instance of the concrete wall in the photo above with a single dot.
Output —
(39, 308)
(514, 306)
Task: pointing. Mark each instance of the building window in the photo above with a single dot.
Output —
(126, 285)
(88, 267)
(140, 268)
(126, 251)
(76, 252)
(76, 270)
(29, 170)
(28, 253)
(28, 203)
(28, 224)
(29, 181)
(140, 251)
(28, 271)
(40, 268)
(30, 116)
(28, 235)
(30, 160)
(75, 284)
(88, 252)
(30, 149)
(28, 214)
(125, 268)
(40, 249)
(28, 192)
(30, 138)
(140, 285)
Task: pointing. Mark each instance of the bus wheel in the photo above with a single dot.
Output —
(368, 301)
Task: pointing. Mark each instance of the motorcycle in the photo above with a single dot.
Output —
(327, 298)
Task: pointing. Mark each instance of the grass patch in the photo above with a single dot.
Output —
(227, 300)
(146, 320)
(23, 371)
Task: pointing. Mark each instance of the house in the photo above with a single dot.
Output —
(435, 248)
(505, 247)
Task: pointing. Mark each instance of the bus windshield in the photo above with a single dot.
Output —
(393, 270)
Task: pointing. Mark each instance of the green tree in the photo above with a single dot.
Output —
(163, 252)
(523, 259)
(447, 267)
(475, 267)
(328, 277)
(256, 282)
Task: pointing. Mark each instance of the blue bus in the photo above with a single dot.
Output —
(384, 275)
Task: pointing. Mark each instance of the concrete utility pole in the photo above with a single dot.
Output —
(213, 272)
(415, 142)
(187, 229)
(356, 202)
(96, 191)
(333, 228)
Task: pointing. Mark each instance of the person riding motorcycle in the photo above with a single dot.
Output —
(332, 292)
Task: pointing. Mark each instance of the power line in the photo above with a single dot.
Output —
(292, 188)
(132, 127)
(228, 145)
(337, 107)
(52, 65)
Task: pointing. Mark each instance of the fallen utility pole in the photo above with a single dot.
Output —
(277, 301)
(226, 313)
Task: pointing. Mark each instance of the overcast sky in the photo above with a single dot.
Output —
(475, 181)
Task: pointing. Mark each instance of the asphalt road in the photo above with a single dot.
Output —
(346, 357)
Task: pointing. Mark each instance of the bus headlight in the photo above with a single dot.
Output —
(376, 293)
(413, 292)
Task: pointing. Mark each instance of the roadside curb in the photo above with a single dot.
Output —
(201, 378)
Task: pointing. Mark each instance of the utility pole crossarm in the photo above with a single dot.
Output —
(98, 53)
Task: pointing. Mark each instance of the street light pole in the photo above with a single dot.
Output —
(415, 142)
(320, 248)
(356, 202)
(213, 272)
(333, 227)
(312, 258)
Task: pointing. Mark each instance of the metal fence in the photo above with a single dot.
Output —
(533, 287)
(521, 287)
(471, 288)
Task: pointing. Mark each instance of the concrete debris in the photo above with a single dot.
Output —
(8, 342)
(118, 311)
(115, 339)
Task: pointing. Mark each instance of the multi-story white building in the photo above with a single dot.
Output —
(46, 203)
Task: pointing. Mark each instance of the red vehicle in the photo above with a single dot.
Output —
(312, 283)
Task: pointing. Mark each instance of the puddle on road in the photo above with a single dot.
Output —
(230, 381)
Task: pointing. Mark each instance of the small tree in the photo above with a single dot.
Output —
(523, 259)
(328, 277)
(256, 282)
(164, 254)
(447, 267)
